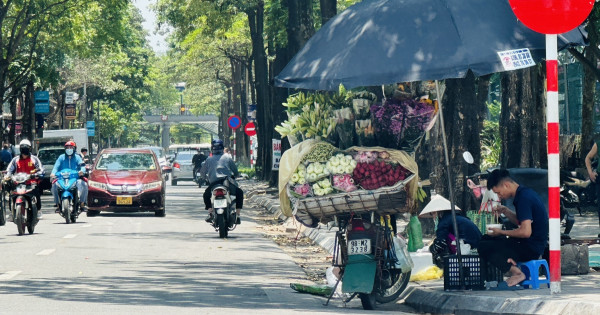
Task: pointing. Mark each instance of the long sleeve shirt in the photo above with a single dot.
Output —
(218, 167)
(29, 165)
(73, 162)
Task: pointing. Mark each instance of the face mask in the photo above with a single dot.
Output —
(25, 151)
(69, 151)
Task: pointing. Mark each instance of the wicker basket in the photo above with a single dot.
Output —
(385, 200)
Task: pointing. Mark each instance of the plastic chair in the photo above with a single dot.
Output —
(531, 270)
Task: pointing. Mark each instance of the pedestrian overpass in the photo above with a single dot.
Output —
(210, 123)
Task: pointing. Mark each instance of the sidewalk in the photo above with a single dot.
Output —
(580, 294)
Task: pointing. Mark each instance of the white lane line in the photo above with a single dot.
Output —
(70, 236)
(46, 252)
(9, 274)
(86, 225)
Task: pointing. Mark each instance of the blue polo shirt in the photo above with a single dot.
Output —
(529, 206)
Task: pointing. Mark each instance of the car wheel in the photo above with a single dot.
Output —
(173, 182)
(159, 213)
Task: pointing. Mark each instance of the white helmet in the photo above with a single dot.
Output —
(25, 142)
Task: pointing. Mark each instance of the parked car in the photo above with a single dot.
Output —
(183, 169)
(126, 180)
(162, 159)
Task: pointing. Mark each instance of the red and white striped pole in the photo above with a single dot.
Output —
(553, 160)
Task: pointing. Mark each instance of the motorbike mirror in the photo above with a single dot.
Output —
(468, 157)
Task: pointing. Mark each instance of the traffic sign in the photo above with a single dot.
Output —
(70, 98)
(234, 122)
(42, 102)
(552, 16)
(250, 129)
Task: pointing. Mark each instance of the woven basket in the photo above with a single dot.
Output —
(385, 200)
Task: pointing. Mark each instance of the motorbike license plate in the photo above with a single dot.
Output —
(124, 200)
(220, 203)
(358, 247)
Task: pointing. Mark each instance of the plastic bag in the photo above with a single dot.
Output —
(415, 234)
(404, 263)
(430, 273)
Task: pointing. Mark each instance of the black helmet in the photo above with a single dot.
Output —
(217, 146)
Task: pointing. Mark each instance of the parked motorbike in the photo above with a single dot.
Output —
(68, 196)
(22, 201)
(374, 264)
(223, 204)
(577, 191)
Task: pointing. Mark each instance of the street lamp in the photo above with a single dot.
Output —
(180, 87)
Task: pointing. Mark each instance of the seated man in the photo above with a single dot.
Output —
(69, 160)
(505, 248)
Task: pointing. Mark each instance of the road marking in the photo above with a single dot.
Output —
(70, 236)
(86, 225)
(9, 274)
(46, 252)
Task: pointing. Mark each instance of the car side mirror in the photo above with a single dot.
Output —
(166, 169)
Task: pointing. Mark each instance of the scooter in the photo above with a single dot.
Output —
(23, 202)
(578, 192)
(373, 263)
(69, 198)
(224, 213)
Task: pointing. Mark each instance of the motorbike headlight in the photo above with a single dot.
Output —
(20, 177)
(98, 185)
(152, 185)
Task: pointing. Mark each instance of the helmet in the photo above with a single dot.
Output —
(70, 143)
(25, 147)
(25, 142)
(217, 146)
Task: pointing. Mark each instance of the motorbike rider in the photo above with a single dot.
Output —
(25, 162)
(197, 161)
(216, 169)
(69, 160)
(593, 173)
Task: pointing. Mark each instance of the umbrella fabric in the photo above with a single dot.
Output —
(437, 203)
(387, 41)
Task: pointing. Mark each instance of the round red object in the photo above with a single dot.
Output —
(250, 129)
(552, 16)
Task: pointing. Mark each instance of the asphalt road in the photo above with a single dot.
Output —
(137, 263)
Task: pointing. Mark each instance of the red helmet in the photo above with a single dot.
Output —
(70, 143)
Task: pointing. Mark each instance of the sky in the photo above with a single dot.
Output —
(157, 41)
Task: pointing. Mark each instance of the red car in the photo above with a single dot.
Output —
(126, 180)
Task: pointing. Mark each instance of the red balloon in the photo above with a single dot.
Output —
(552, 16)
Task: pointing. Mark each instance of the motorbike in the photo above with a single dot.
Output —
(68, 196)
(223, 204)
(373, 263)
(22, 201)
(577, 191)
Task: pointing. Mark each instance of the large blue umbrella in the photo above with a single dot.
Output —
(379, 42)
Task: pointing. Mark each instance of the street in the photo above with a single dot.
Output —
(138, 263)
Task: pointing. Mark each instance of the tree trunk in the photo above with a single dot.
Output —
(300, 24)
(328, 10)
(589, 93)
(462, 125)
(28, 110)
(13, 111)
(263, 103)
(522, 119)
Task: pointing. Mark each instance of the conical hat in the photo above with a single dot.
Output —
(437, 203)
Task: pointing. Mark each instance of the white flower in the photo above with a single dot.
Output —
(295, 177)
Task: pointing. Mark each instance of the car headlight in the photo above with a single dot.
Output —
(98, 185)
(152, 185)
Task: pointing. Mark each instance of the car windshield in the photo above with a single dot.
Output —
(126, 162)
(49, 157)
(184, 156)
(159, 152)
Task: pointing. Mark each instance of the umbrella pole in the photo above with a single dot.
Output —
(452, 205)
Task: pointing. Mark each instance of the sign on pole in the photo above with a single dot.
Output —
(42, 102)
(234, 122)
(91, 128)
(70, 98)
(276, 154)
(70, 111)
(250, 129)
